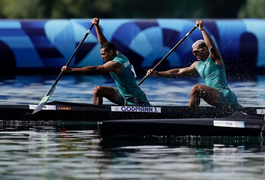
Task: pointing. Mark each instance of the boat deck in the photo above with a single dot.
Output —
(65, 111)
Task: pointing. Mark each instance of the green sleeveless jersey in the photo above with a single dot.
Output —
(213, 74)
(126, 83)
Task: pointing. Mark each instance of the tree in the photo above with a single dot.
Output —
(47, 9)
(252, 9)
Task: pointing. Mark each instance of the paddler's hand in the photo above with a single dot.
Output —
(66, 69)
(152, 72)
(95, 21)
(199, 23)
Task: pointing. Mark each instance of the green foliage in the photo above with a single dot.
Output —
(252, 9)
(20, 9)
(131, 9)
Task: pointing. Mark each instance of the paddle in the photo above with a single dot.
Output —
(49, 93)
(163, 59)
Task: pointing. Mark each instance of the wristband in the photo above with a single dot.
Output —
(201, 28)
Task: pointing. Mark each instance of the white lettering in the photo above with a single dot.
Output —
(127, 63)
(45, 107)
(135, 109)
(231, 124)
(260, 111)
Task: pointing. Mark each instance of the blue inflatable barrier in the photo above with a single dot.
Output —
(48, 44)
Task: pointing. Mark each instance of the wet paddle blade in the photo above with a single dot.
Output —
(44, 100)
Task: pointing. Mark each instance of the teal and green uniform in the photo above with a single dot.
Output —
(215, 77)
(129, 92)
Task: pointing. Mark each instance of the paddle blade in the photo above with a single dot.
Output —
(44, 100)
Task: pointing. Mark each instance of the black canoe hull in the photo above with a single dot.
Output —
(118, 121)
(238, 124)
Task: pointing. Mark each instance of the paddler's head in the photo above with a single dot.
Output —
(200, 50)
(108, 51)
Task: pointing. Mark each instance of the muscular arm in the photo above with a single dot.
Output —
(214, 52)
(101, 38)
(178, 72)
(215, 55)
(101, 69)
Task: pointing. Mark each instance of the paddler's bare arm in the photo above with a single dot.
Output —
(215, 55)
(101, 69)
(173, 73)
(101, 38)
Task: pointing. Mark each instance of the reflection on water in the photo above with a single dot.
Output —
(50, 153)
(60, 153)
(160, 91)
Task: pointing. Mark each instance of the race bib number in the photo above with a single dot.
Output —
(134, 73)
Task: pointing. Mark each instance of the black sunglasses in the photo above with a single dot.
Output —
(197, 51)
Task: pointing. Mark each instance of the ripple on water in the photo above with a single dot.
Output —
(50, 153)
(160, 91)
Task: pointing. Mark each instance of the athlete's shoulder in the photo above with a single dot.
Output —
(120, 58)
(195, 64)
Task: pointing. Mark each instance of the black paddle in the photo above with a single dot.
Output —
(163, 59)
(49, 93)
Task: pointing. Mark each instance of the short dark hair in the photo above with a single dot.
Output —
(108, 46)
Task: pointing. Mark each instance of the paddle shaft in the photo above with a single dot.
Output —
(49, 93)
(77, 48)
(165, 57)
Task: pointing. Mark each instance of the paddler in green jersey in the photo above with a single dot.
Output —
(128, 92)
(210, 67)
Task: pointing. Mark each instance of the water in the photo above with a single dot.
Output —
(160, 91)
(60, 153)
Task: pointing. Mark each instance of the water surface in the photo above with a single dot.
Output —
(160, 91)
(64, 153)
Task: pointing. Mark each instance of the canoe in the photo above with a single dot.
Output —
(67, 113)
(75, 111)
(237, 124)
